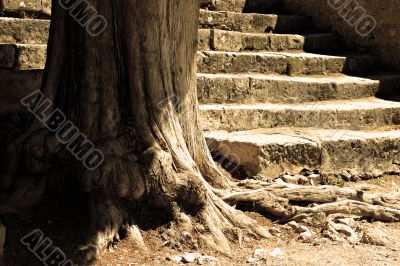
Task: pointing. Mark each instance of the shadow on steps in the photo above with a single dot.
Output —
(263, 7)
(389, 89)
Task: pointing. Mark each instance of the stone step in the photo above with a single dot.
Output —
(252, 88)
(213, 62)
(254, 23)
(26, 5)
(366, 113)
(27, 31)
(223, 5)
(271, 152)
(239, 89)
(234, 41)
(22, 56)
(35, 31)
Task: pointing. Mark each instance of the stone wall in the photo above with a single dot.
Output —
(384, 39)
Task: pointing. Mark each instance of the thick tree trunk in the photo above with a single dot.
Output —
(131, 90)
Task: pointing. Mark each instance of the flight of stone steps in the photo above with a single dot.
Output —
(275, 95)
(275, 101)
(23, 42)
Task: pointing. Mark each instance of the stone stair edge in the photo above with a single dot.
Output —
(40, 6)
(340, 153)
(249, 14)
(309, 135)
(368, 103)
(278, 55)
(11, 19)
(291, 54)
(356, 114)
(330, 77)
(305, 35)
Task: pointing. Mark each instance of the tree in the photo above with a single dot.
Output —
(131, 91)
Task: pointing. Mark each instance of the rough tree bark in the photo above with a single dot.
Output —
(132, 91)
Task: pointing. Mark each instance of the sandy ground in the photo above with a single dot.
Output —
(64, 224)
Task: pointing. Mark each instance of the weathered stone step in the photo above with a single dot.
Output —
(26, 5)
(234, 41)
(368, 113)
(223, 5)
(35, 31)
(253, 6)
(281, 63)
(271, 152)
(230, 88)
(252, 88)
(28, 31)
(22, 56)
(254, 23)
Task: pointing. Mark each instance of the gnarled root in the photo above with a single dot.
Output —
(279, 199)
(27, 162)
(316, 205)
(149, 191)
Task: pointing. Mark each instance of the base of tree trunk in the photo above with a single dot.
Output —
(216, 225)
(184, 205)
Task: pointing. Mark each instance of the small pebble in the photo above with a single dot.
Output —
(260, 253)
(250, 260)
(277, 253)
(302, 229)
(190, 257)
(291, 179)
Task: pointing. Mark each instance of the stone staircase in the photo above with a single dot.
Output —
(279, 97)
(23, 42)
(275, 95)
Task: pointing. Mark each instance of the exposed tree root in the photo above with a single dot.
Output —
(27, 161)
(193, 213)
(183, 205)
(280, 200)
(216, 225)
(317, 205)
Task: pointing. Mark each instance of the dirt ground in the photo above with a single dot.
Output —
(64, 224)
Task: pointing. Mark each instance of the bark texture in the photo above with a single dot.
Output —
(131, 90)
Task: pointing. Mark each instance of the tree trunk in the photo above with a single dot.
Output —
(131, 90)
